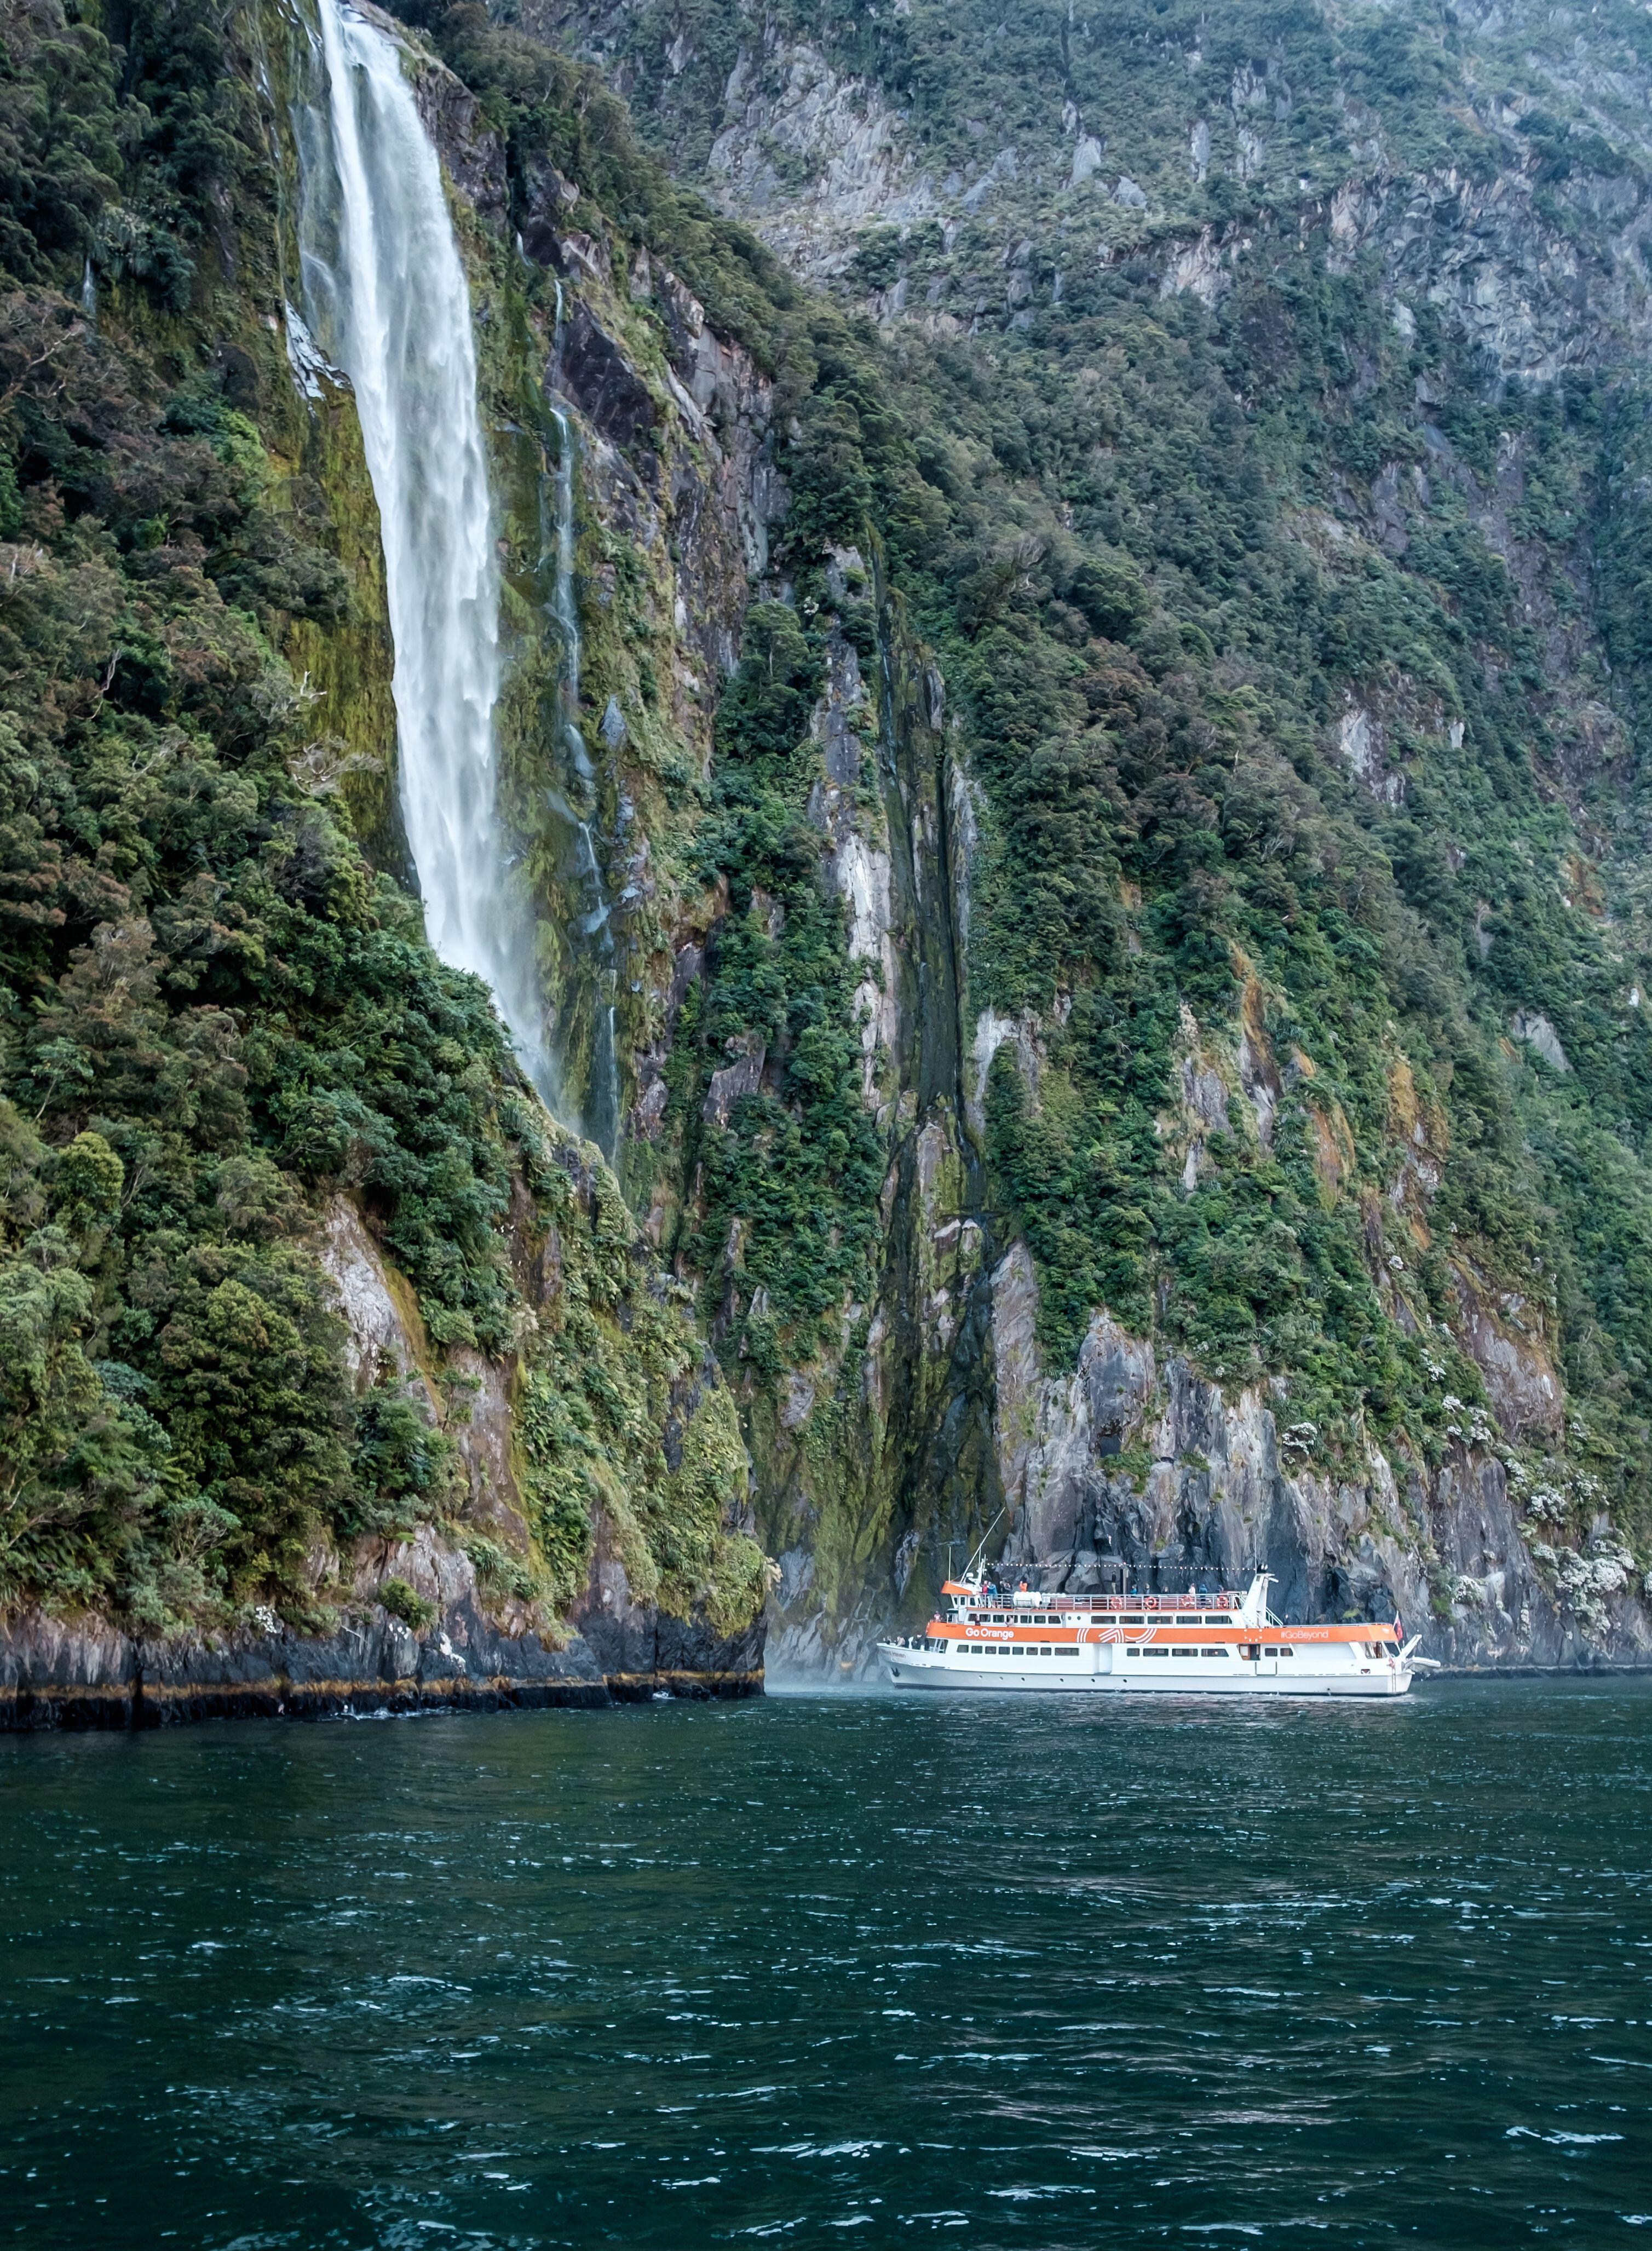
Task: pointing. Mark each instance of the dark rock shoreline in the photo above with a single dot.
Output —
(59, 1674)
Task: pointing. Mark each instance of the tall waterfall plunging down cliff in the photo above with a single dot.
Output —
(386, 295)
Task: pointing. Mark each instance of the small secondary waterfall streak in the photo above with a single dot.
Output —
(595, 925)
(386, 295)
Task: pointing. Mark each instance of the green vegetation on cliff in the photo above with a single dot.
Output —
(216, 1018)
(1294, 671)
(1296, 649)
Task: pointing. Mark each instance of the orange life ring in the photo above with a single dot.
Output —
(1149, 1602)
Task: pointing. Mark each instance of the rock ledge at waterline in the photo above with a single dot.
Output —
(60, 1673)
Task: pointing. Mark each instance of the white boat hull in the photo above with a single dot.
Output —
(1092, 1672)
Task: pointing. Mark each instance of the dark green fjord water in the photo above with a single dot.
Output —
(1024, 1975)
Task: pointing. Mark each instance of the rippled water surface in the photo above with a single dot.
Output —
(1042, 1975)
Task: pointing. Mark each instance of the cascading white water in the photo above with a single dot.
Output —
(386, 296)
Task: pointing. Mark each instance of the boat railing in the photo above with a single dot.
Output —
(1093, 1606)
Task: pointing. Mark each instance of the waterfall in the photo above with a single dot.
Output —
(386, 295)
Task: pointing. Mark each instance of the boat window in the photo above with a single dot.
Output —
(1287, 1652)
(1184, 1653)
(1156, 1652)
(1272, 1650)
(1212, 1652)
(1130, 1617)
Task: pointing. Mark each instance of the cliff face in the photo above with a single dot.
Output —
(1076, 767)
(1124, 1458)
(940, 1405)
(513, 1473)
(1471, 210)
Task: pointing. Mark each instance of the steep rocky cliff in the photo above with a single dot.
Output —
(1072, 729)
(337, 1373)
(1391, 272)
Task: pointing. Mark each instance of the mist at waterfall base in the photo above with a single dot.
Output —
(387, 299)
(686, 1975)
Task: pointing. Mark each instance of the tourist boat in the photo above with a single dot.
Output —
(1187, 1645)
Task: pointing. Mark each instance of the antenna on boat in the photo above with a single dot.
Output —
(973, 1565)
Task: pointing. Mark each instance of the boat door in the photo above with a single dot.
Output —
(1261, 1666)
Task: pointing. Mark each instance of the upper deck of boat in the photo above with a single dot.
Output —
(1164, 1618)
(1104, 1605)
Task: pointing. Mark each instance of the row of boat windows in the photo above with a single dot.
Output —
(1107, 1618)
(1044, 1649)
(1037, 1648)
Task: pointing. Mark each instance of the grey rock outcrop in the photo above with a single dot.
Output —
(78, 1674)
(1215, 1484)
(644, 1654)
